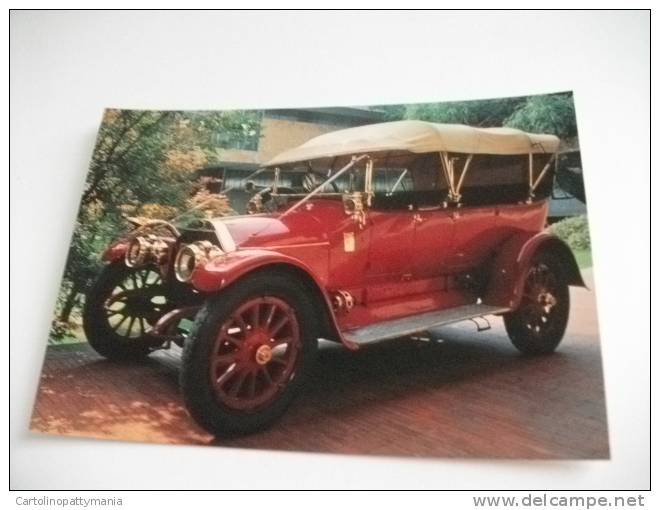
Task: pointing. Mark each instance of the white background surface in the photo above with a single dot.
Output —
(66, 67)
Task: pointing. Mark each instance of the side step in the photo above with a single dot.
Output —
(409, 325)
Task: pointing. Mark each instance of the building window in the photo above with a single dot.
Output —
(241, 131)
(247, 140)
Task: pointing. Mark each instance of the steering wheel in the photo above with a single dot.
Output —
(310, 181)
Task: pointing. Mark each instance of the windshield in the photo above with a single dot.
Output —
(380, 175)
(302, 179)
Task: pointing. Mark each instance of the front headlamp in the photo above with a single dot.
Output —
(192, 255)
(137, 252)
(146, 249)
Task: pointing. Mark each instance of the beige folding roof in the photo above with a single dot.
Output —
(418, 137)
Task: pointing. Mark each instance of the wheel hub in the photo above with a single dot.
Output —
(263, 355)
(138, 303)
(546, 299)
(256, 350)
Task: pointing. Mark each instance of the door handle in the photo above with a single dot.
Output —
(417, 218)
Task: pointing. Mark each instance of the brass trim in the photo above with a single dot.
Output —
(263, 355)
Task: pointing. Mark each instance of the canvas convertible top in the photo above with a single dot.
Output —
(419, 137)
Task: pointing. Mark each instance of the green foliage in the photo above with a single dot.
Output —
(549, 113)
(483, 113)
(392, 111)
(60, 330)
(553, 114)
(574, 231)
(143, 163)
(583, 258)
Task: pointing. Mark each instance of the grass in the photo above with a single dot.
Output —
(583, 258)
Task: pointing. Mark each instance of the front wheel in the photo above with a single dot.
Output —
(120, 308)
(538, 324)
(248, 354)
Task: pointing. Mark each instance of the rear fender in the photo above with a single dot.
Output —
(224, 270)
(507, 273)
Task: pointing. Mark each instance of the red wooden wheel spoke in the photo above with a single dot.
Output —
(223, 360)
(271, 314)
(237, 383)
(227, 375)
(232, 339)
(240, 322)
(282, 341)
(278, 326)
(266, 374)
(254, 317)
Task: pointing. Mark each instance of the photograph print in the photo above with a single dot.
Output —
(403, 280)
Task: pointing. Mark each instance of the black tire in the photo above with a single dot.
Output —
(101, 322)
(211, 407)
(538, 325)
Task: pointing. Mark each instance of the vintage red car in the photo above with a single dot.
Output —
(365, 234)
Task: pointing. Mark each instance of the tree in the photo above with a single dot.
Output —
(548, 113)
(551, 113)
(143, 164)
(483, 113)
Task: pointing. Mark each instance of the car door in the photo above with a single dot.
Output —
(391, 234)
(434, 223)
(475, 236)
(391, 226)
(434, 236)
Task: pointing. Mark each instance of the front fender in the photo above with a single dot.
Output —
(512, 261)
(115, 251)
(223, 270)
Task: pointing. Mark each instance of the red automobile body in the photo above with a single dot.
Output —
(372, 257)
(399, 263)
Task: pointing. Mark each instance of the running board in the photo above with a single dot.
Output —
(409, 325)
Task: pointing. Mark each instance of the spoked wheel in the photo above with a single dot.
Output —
(539, 323)
(120, 309)
(247, 354)
(255, 353)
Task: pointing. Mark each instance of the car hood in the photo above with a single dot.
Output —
(301, 227)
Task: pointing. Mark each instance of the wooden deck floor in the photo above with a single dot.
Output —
(471, 395)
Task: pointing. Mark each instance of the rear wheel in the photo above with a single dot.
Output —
(120, 308)
(538, 324)
(248, 354)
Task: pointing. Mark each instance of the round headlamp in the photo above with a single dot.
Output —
(190, 256)
(143, 250)
(137, 252)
